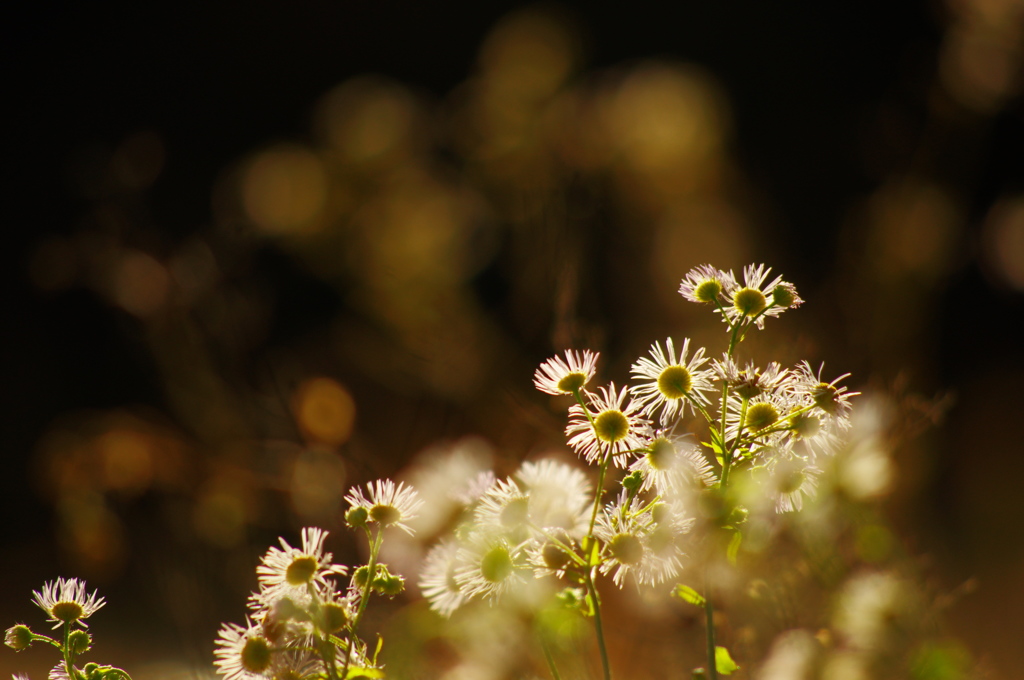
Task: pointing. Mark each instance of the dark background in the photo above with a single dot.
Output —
(828, 103)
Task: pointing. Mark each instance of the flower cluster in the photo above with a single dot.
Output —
(302, 621)
(67, 604)
(685, 429)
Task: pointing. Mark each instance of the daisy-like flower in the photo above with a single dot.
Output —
(566, 376)
(295, 664)
(288, 572)
(242, 653)
(617, 423)
(636, 543)
(670, 381)
(813, 435)
(559, 495)
(504, 508)
(673, 465)
(490, 566)
(60, 672)
(764, 416)
(749, 381)
(437, 579)
(65, 601)
(388, 504)
(757, 300)
(789, 482)
(706, 284)
(829, 399)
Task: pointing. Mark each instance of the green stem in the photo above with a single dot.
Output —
(69, 656)
(550, 659)
(709, 626)
(598, 626)
(371, 573)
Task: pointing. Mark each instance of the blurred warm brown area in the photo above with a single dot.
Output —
(355, 237)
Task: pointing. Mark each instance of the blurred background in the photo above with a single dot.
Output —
(260, 252)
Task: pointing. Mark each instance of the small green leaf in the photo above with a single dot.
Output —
(724, 662)
(734, 547)
(688, 594)
(590, 605)
(380, 644)
(364, 673)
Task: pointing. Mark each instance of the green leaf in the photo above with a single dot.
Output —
(734, 547)
(364, 673)
(380, 643)
(724, 662)
(688, 594)
(595, 556)
(590, 605)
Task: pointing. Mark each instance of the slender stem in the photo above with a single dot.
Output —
(550, 659)
(728, 455)
(597, 497)
(69, 656)
(371, 573)
(709, 626)
(598, 626)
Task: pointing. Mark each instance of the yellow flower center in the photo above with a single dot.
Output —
(67, 611)
(256, 655)
(301, 570)
(760, 416)
(675, 382)
(749, 302)
(496, 565)
(626, 548)
(572, 382)
(708, 290)
(385, 514)
(611, 426)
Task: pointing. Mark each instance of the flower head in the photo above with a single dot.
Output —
(489, 565)
(829, 398)
(670, 381)
(437, 579)
(706, 284)
(613, 423)
(566, 376)
(756, 300)
(18, 637)
(65, 601)
(388, 504)
(673, 465)
(642, 541)
(242, 653)
(287, 572)
(789, 482)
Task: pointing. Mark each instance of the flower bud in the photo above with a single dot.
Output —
(633, 481)
(79, 642)
(356, 516)
(389, 585)
(361, 576)
(333, 617)
(18, 637)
